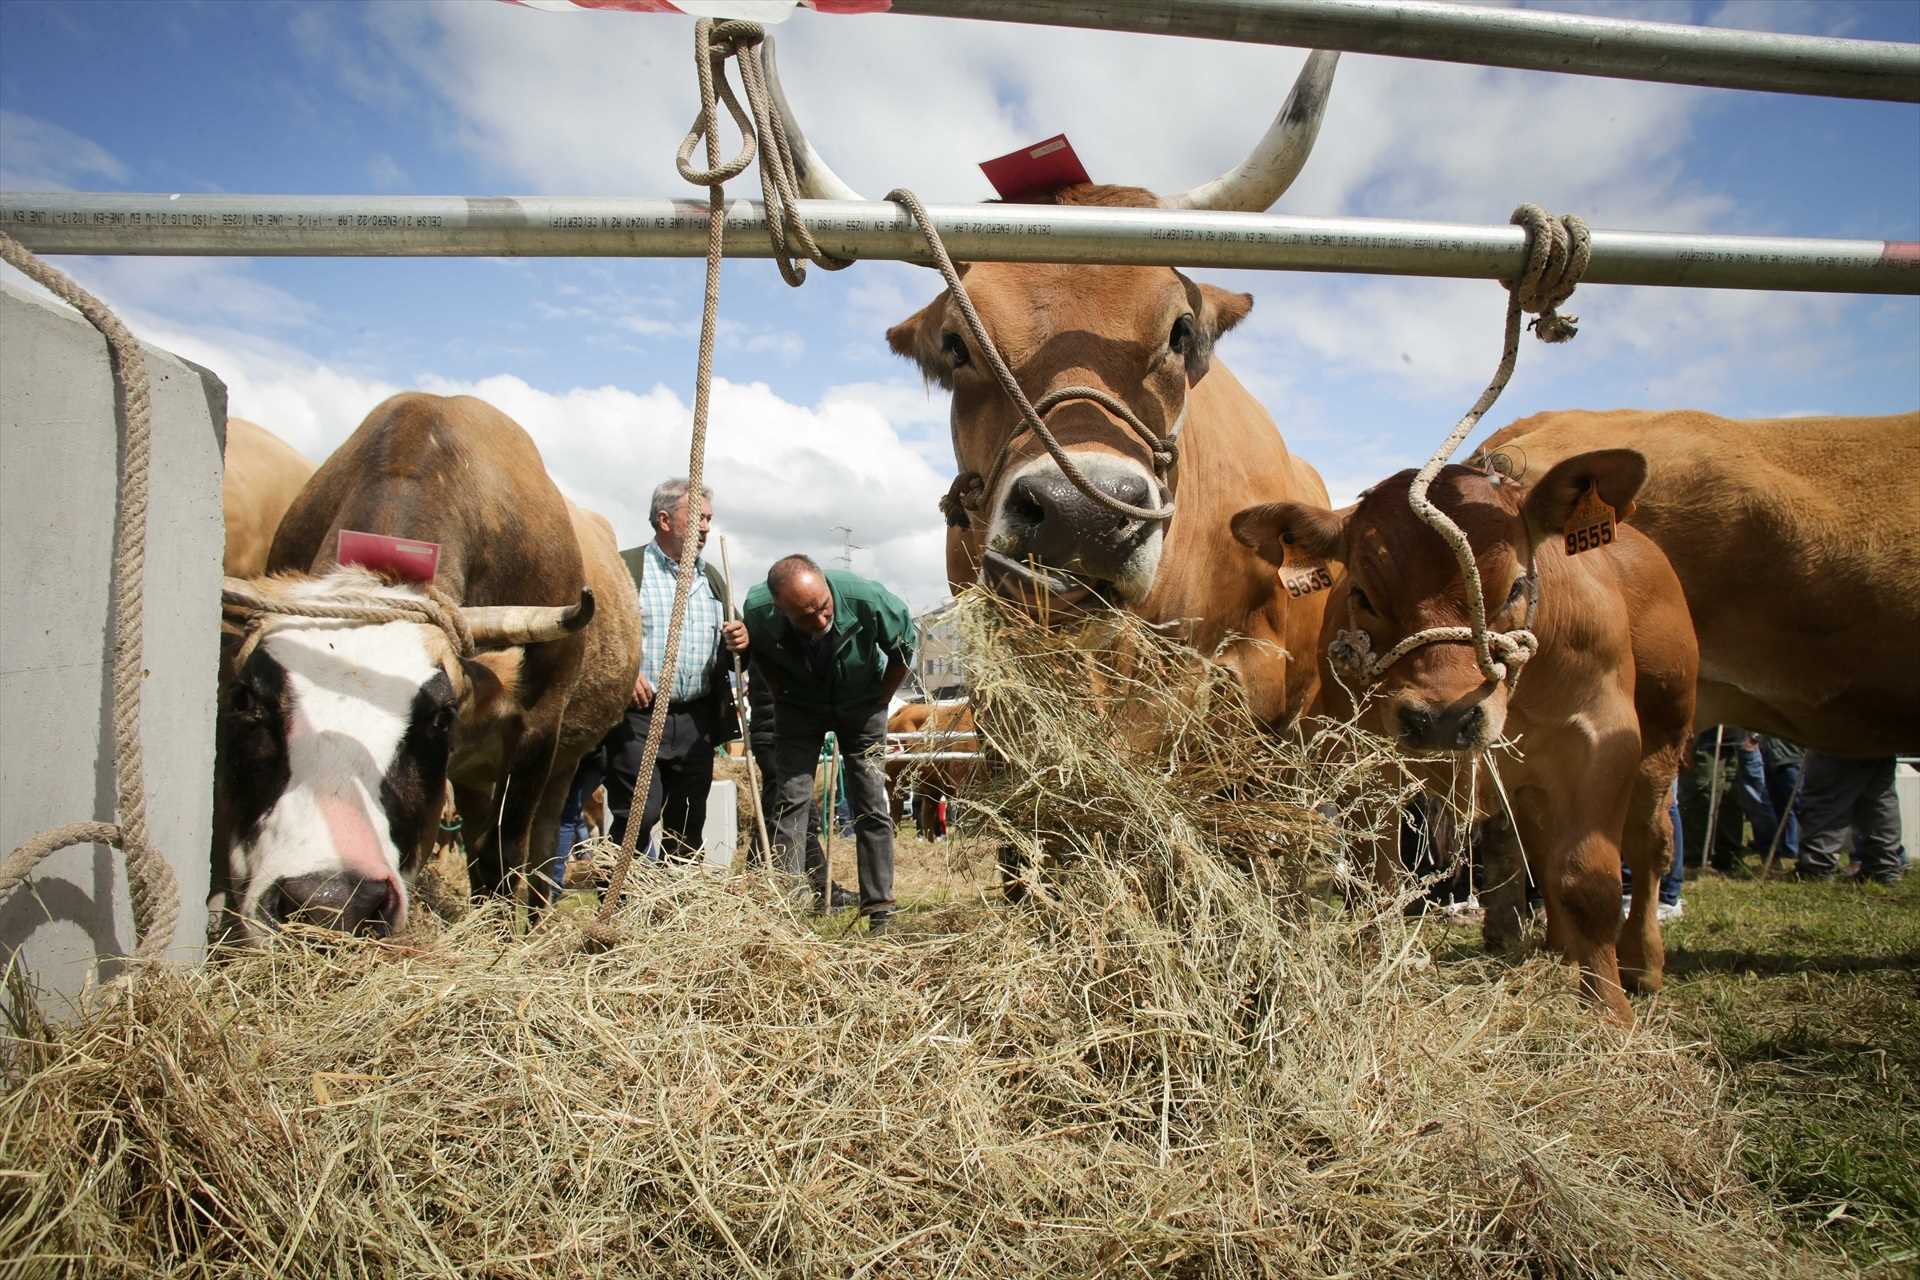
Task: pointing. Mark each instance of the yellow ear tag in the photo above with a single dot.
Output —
(1591, 523)
(1301, 579)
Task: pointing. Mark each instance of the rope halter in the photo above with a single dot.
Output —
(1558, 250)
(969, 490)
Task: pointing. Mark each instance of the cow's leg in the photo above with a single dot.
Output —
(544, 839)
(479, 814)
(527, 786)
(1504, 893)
(1648, 844)
(1589, 793)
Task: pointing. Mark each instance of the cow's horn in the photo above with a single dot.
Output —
(817, 180)
(501, 626)
(1263, 176)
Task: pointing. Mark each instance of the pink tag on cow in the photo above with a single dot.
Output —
(402, 557)
(1035, 170)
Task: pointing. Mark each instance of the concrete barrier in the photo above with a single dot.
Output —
(59, 462)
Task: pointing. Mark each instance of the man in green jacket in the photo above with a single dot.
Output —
(833, 647)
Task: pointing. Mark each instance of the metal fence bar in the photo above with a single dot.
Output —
(1619, 48)
(460, 226)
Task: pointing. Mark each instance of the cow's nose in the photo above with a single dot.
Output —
(1060, 525)
(342, 901)
(1453, 730)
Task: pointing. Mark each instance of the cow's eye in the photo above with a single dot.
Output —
(1360, 601)
(956, 350)
(242, 701)
(1519, 591)
(1180, 341)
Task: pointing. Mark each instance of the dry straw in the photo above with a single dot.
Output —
(1173, 1059)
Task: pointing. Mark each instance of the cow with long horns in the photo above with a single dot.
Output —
(1166, 449)
(337, 737)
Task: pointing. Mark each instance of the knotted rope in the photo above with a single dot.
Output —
(970, 488)
(434, 608)
(150, 879)
(714, 43)
(1558, 251)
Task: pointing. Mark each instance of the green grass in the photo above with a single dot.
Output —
(1810, 993)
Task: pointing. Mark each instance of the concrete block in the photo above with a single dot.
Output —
(720, 835)
(59, 463)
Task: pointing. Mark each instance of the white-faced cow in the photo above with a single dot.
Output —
(1602, 709)
(337, 739)
(1795, 539)
(263, 476)
(1143, 336)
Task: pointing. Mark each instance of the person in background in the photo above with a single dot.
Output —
(699, 706)
(834, 647)
(1697, 785)
(1768, 772)
(1843, 797)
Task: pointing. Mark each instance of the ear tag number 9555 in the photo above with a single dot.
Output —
(1591, 524)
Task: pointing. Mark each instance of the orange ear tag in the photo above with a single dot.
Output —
(1302, 579)
(1591, 523)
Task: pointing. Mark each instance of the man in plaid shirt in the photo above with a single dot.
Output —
(699, 706)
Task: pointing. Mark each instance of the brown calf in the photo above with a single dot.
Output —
(1601, 712)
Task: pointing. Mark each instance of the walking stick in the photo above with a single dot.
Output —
(1773, 845)
(830, 816)
(740, 713)
(1713, 797)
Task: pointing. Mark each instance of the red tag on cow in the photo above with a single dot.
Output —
(1591, 524)
(1035, 170)
(407, 558)
(1302, 579)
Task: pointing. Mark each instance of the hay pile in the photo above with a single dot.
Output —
(1157, 1067)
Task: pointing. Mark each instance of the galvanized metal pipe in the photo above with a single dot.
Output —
(1530, 39)
(459, 226)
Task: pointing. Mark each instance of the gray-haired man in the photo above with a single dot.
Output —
(699, 706)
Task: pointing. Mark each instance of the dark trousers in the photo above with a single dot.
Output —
(770, 809)
(682, 776)
(1697, 785)
(796, 750)
(1842, 795)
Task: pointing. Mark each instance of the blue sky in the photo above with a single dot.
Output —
(816, 423)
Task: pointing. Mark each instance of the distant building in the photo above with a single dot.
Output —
(937, 668)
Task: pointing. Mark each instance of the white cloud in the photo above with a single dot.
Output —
(36, 155)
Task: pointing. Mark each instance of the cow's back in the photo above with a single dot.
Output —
(262, 477)
(447, 469)
(1794, 540)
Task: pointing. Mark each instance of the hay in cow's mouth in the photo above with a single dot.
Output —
(1174, 1059)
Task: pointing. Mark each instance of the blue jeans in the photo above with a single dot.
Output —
(1677, 872)
(573, 828)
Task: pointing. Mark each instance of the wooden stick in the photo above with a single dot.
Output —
(1713, 797)
(740, 713)
(1780, 824)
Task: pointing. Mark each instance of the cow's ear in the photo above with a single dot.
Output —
(1615, 474)
(492, 684)
(1293, 534)
(921, 339)
(1215, 311)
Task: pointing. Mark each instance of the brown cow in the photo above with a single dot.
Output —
(931, 781)
(263, 476)
(336, 738)
(1795, 539)
(1143, 336)
(1602, 711)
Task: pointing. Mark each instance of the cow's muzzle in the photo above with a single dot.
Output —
(1048, 522)
(343, 901)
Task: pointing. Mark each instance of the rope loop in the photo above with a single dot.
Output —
(1558, 251)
